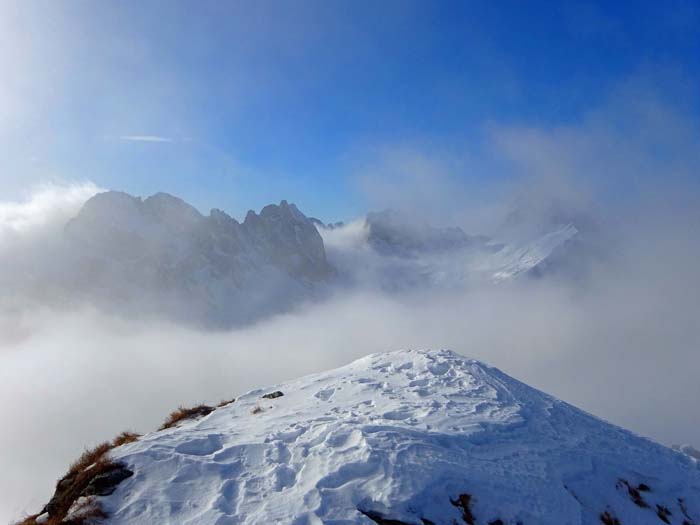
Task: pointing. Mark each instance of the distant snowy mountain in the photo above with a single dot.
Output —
(403, 438)
(538, 223)
(393, 233)
(161, 255)
(397, 252)
(516, 259)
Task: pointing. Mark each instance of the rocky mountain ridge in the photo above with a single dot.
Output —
(160, 258)
(160, 251)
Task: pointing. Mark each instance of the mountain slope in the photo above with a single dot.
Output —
(160, 255)
(160, 258)
(394, 233)
(403, 438)
(395, 252)
(512, 261)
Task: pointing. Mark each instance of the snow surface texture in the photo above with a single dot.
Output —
(410, 437)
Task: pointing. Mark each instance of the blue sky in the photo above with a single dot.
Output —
(238, 104)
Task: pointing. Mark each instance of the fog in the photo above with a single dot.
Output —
(624, 348)
(622, 343)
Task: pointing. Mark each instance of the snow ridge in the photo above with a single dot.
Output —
(512, 261)
(409, 437)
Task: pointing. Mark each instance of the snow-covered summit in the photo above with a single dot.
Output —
(403, 438)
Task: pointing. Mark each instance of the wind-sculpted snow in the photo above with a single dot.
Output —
(410, 437)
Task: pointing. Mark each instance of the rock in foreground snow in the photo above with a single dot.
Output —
(410, 437)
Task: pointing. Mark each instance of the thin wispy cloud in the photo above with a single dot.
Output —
(145, 138)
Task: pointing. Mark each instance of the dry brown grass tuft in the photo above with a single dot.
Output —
(124, 438)
(183, 413)
(69, 506)
(71, 486)
(74, 490)
(87, 458)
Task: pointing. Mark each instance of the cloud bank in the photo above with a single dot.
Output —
(43, 212)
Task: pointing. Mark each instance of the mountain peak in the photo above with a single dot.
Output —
(392, 232)
(209, 270)
(112, 201)
(409, 438)
(283, 209)
(166, 201)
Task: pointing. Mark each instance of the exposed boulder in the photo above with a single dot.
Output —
(273, 395)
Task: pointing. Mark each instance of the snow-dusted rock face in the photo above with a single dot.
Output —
(534, 226)
(393, 233)
(410, 437)
(288, 239)
(160, 254)
(533, 256)
(396, 252)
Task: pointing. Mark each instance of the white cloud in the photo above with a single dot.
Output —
(145, 138)
(47, 206)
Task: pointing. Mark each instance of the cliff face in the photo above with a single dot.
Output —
(161, 258)
(162, 255)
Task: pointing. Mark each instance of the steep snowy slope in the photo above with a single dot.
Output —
(410, 437)
(514, 260)
(390, 252)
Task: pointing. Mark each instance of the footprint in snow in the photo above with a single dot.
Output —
(397, 415)
(439, 368)
(325, 395)
(201, 447)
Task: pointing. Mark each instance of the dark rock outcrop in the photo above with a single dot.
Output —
(100, 479)
(106, 482)
(273, 395)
